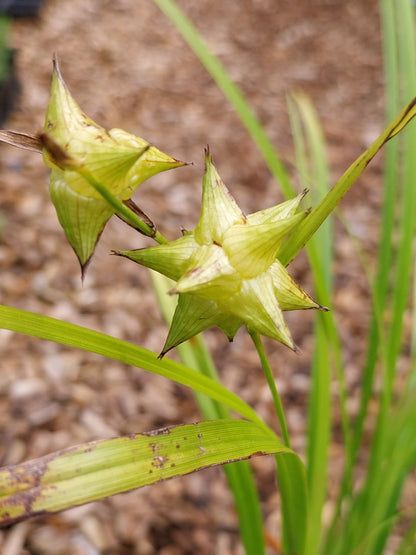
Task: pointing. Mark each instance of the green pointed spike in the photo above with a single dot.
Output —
(228, 324)
(169, 259)
(251, 249)
(83, 219)
(289, 294)
(218, 211)
(278, 212)
(192, 315)
(257, 306)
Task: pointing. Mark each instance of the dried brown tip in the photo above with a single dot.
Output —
(56, 67)
(139, 212)
(21, 140)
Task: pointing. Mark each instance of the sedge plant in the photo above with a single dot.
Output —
(230, 271)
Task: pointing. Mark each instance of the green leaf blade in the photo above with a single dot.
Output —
(96, 470)
(230, 91)
(92, 341)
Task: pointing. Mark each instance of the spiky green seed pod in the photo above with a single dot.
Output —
(74, 145)
(226, 270)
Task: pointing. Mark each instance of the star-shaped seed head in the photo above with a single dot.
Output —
(116, 159)
(226, 271)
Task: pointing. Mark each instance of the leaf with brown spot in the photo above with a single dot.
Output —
(82, 474)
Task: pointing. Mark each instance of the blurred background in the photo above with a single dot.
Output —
(128, 67)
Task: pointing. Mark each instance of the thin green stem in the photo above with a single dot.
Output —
(4, 51)
(124, 211)
(272, 385)
(230, 90)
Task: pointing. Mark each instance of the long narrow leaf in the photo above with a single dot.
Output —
(95, 342)
(407, 65)
(373, 511)
(293, 491)
(385, 250)
(310, 155)
(98, 469)
(400, 298)
(230, 90)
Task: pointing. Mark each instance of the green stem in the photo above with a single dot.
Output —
(124, 211)
(272, 385)
(4, 50)
(230, 90)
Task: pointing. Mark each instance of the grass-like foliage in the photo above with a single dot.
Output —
(231, 271)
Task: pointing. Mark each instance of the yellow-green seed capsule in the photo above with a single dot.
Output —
(75, 146)
(226, 271)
